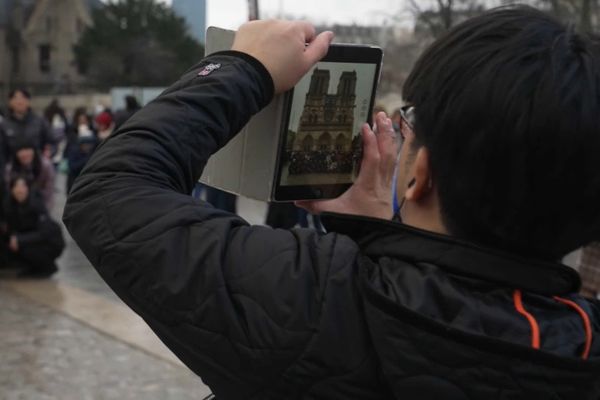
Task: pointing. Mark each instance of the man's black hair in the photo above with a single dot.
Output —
(508, 106)
(22, 170)
(21, 90)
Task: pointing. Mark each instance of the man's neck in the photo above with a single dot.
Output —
(426, 216)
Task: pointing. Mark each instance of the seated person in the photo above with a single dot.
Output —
(34, 240)
(36, 169)
(78, 153)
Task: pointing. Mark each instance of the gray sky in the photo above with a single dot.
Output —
(232, 13)
(317, 11)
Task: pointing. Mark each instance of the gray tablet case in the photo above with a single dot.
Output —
(246, 165)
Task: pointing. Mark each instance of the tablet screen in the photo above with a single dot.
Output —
(320, 156)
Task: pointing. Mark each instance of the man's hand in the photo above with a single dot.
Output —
(287, 49)
(13, 244)
(371, 195)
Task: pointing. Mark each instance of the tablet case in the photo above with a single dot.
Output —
(246, 166)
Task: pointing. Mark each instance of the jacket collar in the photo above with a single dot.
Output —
(386, 238)
(25, 118)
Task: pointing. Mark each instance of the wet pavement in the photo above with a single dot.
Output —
(47, 355)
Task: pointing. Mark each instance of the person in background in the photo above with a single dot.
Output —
(198, 190)
(131, 107)
(22, 123)
(104, 125)
(82, 143)
(303, 216)
(287, 216)
(81, 122)
(33, 241)
(4, 157)
(37, 170)
(220, 199)
(56, 117)
(281, 215)
(589, 269)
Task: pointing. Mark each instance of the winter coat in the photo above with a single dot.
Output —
(33, 227)
(371, 310)
(32, 128)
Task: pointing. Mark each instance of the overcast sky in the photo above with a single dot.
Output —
(317, 11)
(232, 13)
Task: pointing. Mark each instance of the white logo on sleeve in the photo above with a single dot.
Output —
(208, 69)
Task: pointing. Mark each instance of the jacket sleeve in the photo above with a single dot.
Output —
(46, 132)
(236, 303)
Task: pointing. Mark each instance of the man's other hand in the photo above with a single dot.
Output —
(371, 194)
(287, 49)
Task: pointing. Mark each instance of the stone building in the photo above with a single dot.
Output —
(36, 43)
(327, 120)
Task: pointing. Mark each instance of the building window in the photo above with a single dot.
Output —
(44, 52)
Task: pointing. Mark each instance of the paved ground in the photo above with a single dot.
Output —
(47, 355)
(70, 337)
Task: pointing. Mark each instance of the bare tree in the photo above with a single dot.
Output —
(439, 16)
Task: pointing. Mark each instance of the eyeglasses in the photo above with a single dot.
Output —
(407, 113)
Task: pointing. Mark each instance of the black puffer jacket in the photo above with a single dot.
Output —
(373, 310)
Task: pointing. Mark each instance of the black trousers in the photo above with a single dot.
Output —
(34, 257)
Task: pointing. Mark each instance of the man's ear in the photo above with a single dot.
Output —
(422, 185)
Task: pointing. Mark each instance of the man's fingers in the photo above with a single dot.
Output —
(388, 145)
(370, 158)
(317, 48)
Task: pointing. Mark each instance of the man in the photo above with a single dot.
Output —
(131, 107)
(22, 123)
(462, 301)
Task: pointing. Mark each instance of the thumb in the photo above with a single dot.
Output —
(317, 49)
(316, 206)
(309, 205)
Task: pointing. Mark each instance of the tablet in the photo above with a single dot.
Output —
(320, 144)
